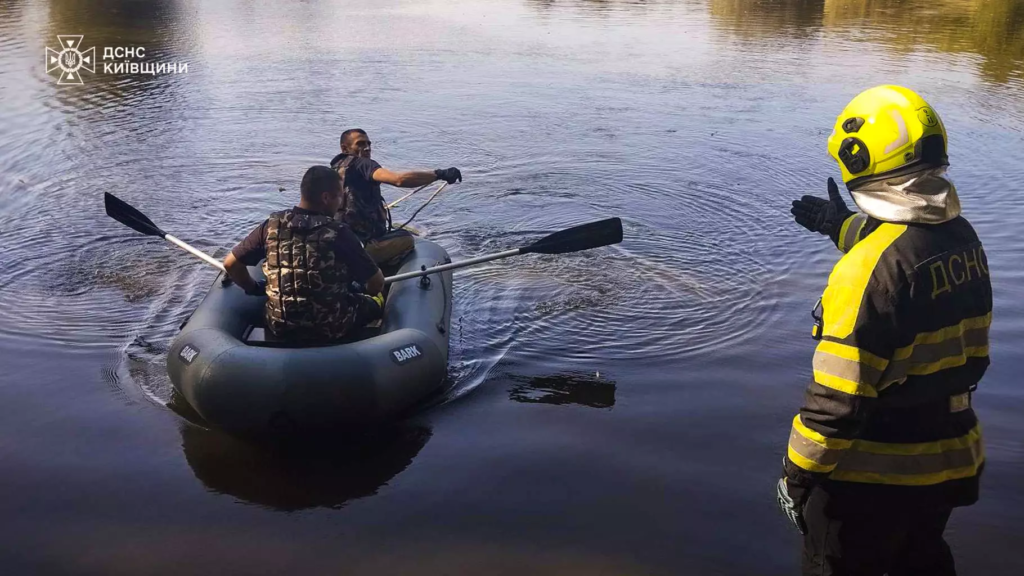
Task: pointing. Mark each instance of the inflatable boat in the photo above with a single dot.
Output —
(229, 369)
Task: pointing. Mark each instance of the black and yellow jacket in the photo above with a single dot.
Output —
(904, 343)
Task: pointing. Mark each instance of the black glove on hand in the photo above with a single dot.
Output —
(449, 175)
(372, 307)
(260, 289)
(791, 499)
(820, 215)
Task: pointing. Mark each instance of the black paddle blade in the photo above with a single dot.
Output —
(582, 237)
(125, 214)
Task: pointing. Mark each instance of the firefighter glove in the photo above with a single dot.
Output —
(791, 499)
(820, 215)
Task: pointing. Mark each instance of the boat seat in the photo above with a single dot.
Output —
(260, 336)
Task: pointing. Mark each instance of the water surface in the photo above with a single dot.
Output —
(620, 411)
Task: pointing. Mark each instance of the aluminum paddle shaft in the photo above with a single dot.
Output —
(126, 214)
(575, 239)
(453, 265)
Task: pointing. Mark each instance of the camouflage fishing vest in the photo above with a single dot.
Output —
(363, 210)
(308, 299)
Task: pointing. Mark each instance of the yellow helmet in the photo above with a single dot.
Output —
(886, 131)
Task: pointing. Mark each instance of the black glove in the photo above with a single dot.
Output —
(791, 499)
(259, 289)
(820, 215)
(449, 175)
(372, 307)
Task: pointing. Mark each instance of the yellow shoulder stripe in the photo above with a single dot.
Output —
(849, 279)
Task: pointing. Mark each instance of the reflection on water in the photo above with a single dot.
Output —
(582, 389)
(295, 477)
(992, 29)
(758, 18)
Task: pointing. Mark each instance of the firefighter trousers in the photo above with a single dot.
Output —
(846, 538)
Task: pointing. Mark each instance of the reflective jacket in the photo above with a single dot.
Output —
(904, 343)
(308, 297)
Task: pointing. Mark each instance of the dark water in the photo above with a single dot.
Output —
(622, 411)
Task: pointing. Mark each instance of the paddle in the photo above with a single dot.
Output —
(575, 239)
(126, 214)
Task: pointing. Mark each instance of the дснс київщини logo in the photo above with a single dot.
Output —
(70, 59)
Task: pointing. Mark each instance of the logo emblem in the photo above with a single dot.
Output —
(406, 354)
(70, 59)
(927, 117)
(188, 353)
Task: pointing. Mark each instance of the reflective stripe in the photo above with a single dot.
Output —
(844, 385)
(831, 443)
(852, 353)
(917, 448)
(849, 234)
(915, 464)
(905, 465)
(845, 292)
(843, 231)
(950, 362)
(848, 370)
(902, 138)
(906, 480)
(806, 463)
(912, 464)
(932, 352)
(945, 334)
(812, 451)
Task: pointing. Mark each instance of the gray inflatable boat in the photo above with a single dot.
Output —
(240, 380)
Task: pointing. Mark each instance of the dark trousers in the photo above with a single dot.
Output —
(848, 536)
(390, 248)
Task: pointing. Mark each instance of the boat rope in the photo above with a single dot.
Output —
(429, 200)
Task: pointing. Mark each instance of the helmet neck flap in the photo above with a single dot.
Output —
(927, 196)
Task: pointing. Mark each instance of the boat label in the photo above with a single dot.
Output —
(188, 353)
(406, 354)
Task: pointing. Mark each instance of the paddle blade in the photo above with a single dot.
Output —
(125, 214)
(582, 237)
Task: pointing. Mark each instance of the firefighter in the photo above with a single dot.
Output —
(887, 442)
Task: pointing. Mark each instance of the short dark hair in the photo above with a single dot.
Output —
(317, 180)
(349, 132)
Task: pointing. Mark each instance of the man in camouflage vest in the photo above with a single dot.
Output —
(310, 262)
(363, 207)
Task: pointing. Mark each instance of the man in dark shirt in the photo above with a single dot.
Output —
(311, 260)
(363, 207)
